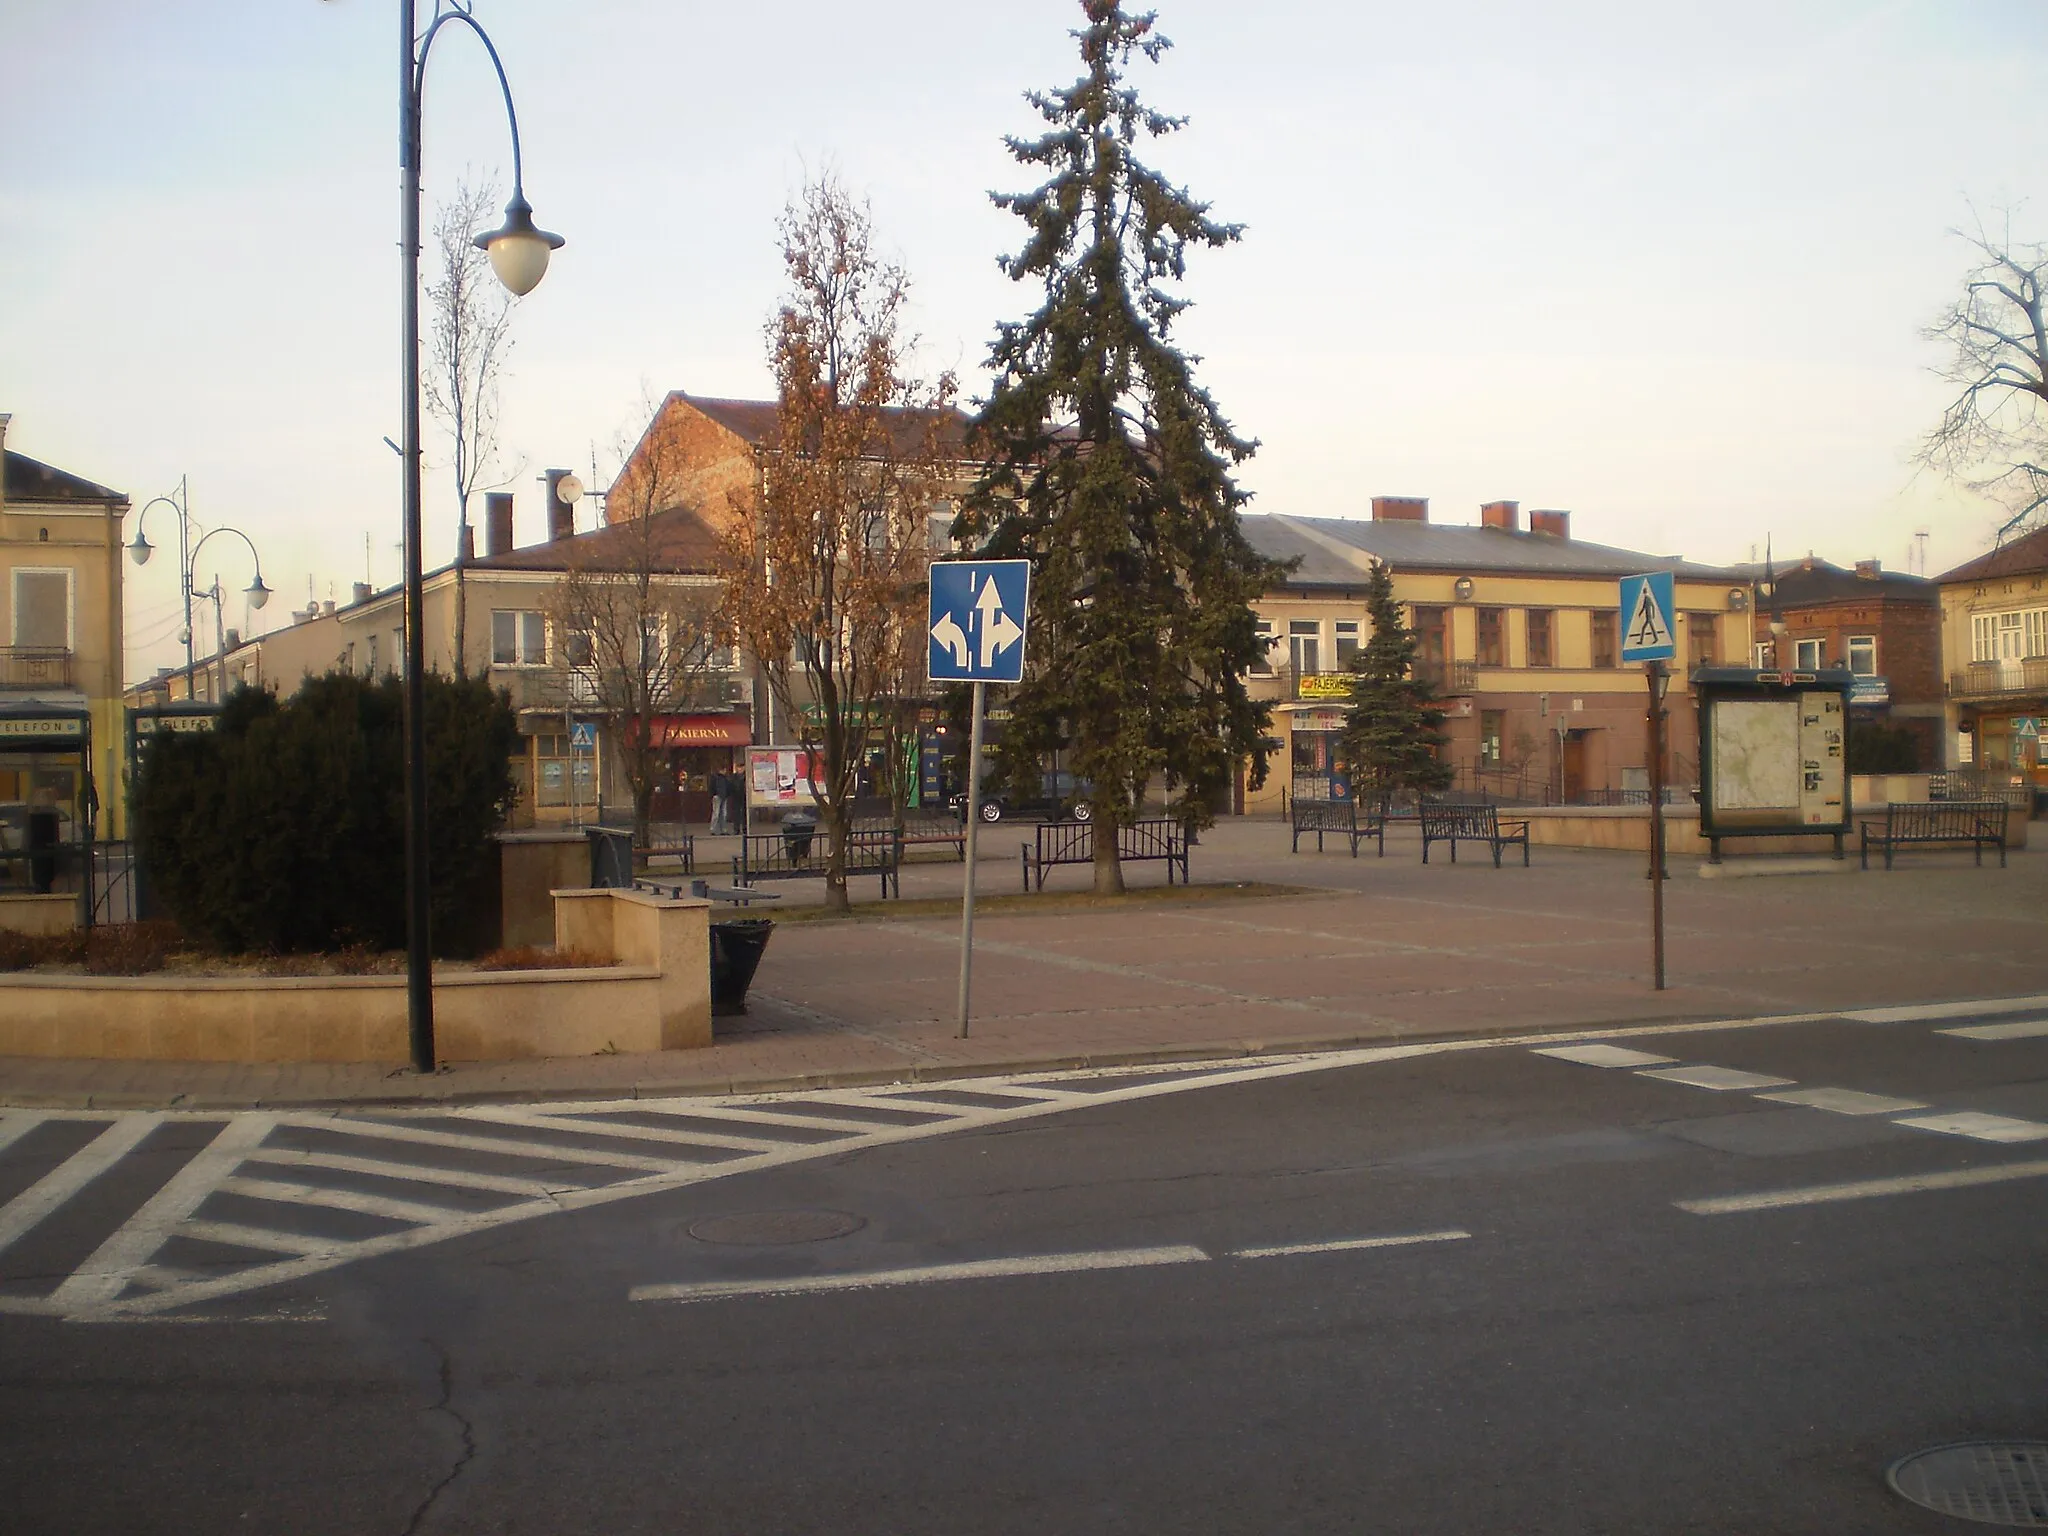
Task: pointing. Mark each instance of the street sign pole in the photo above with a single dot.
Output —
(967, 884)
(1658, 678)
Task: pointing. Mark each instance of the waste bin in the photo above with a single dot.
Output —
(798, 828)
(736, 947)
(45, 836)
(611, 858)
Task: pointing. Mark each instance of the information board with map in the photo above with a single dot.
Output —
(1773, 752)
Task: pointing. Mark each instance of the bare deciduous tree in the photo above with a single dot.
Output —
(638, 618)
(826, 570)
(1993, 437)
(468, 337)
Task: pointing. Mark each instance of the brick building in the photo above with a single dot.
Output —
(1883, 626)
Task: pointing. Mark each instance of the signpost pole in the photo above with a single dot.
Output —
(1654, 671)
(967, 884)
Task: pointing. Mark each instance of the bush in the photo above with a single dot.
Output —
(283, 829)
(124, 949)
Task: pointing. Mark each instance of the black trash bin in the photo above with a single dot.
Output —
(611, 858)
(45, 837)
(736, 947)
(798, 828)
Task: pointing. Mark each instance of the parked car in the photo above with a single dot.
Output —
(1060, 797)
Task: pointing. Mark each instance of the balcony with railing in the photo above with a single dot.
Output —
(26, 668)
(1999, 679)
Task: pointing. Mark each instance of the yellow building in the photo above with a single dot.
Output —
(1994, 648)
(60, 648)
(1518, 633)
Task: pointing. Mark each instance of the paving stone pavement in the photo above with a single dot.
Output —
(1360, 951)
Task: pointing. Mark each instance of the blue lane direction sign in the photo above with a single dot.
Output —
(979, 612)
(1649, 630)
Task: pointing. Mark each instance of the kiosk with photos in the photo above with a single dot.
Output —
(1774, 754)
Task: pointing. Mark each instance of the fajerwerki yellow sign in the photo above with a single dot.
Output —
(1323, 685)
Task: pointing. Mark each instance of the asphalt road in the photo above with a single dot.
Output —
(1618, 1302)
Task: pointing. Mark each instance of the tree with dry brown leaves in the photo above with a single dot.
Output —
(825, 569)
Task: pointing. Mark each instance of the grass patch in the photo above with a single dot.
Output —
(531, 957)
(1048, 903)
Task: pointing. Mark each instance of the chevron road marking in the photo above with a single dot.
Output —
(438, 1172)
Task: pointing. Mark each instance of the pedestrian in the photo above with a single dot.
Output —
(716, 784)
(735, 803)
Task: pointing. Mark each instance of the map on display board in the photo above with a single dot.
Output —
(1779, 761)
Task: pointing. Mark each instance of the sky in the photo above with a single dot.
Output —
(1667, 266)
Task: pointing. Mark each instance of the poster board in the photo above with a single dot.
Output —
(1774, 757)
(778, 777)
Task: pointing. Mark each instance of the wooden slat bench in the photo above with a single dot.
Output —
(775, 856)
(1454, 824)
(1073, 842)
(1951, 823)
(1346, 818)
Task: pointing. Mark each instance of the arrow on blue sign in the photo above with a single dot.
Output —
(980, 611)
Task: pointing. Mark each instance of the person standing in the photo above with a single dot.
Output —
(716, 784)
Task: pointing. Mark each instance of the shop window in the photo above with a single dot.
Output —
(1347, 643)
(1493, 645)
(1305, 645)
(1606, 638)
(519, 638)
(1863, 655)
(1540, 622)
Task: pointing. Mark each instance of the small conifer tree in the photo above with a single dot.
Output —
(1394, 737)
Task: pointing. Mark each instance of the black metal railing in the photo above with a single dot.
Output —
(35, 666)
(1995, 679)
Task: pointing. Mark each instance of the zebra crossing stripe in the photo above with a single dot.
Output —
(413, 1211)
(505, 1146)
(17, 1123)
(341, 1162)
(535, 1120)
(103, 1276)
(70, 1176)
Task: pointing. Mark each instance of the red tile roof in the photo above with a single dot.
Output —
(683, 544)
(2022, 557)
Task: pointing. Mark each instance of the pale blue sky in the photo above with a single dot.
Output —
(1663, 265)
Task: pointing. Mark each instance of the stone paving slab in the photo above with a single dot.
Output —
(1365, 951)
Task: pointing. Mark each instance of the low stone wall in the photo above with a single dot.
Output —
(26, 912)
(657, 998)
(1628, 827)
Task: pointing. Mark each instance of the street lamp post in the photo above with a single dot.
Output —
(519, 255)
(188, 563)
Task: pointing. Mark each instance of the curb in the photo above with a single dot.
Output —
(865, 1077)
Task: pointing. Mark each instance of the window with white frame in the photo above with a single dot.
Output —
(1262, 658)
(1305, 645)
(2009, 636)
(1863, 655)
(42, 608)
(519, 637)
(1347, 642)
(1761, 651)
(1806, 655)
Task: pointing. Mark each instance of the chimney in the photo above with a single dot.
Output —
(498, 523)
(232, 642)
(1504, 515)
(1400, 509)
(1558, 525)
(327, 608)
(359, 592)
(1869, 570)
(561, 514)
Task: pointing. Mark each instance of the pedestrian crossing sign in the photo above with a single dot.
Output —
(1648, 606)
(583, 736)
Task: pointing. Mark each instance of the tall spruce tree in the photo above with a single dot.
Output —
(1110, 468)
(1392, 739)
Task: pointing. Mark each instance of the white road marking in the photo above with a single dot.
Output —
(103, 1276)
(2019, 1029)
(234, 1234)
(926, 1274)
(17, 1123)
(1605, 1056)
(1346, 1245)
(530, 1151)
(1823, 1194)
(590, 1126)
(1844, 1101)
(1978, 1126)
(1720, 1079)
(29, 1207)
(411, 1173)
(280, 1192)
(1914, 1013)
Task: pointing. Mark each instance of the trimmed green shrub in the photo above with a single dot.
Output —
(1879, 748)
(283, 829)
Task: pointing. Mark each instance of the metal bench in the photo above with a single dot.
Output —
(779, 856)
(1454, 824)
(1073, 842)
(1346, 818)
(704, 890)
(1980, 823)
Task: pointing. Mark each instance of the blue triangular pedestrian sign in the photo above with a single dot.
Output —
(1648, 617)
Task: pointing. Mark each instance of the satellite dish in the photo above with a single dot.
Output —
(568, 490)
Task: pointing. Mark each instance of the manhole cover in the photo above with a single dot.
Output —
(767, 1228)
(1995, 1482)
